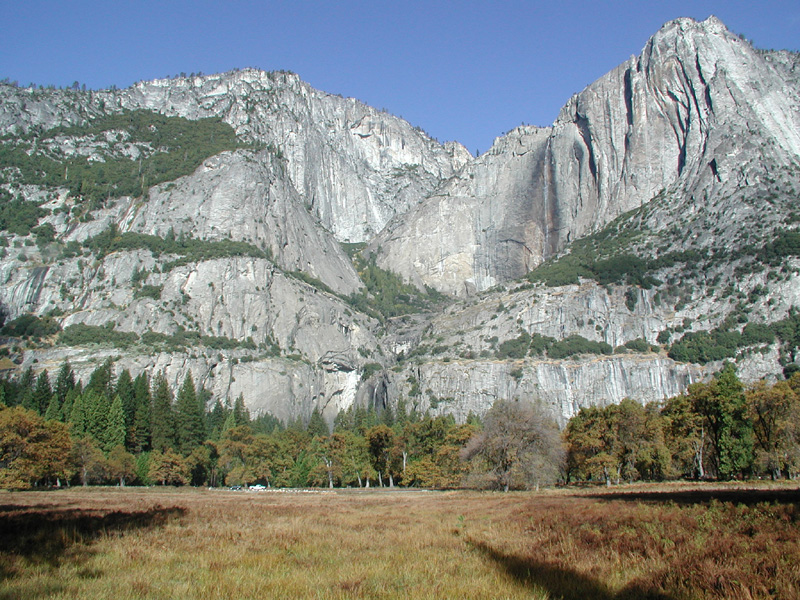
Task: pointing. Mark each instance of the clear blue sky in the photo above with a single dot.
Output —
(460, 70)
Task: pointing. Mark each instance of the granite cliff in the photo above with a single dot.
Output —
(699, 112)
(576, 262)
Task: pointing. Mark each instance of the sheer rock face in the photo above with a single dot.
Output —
(565, 386)
(318, 339)
(246, 197)
(678, 116)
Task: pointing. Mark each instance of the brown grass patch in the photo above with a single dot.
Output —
(660, 542)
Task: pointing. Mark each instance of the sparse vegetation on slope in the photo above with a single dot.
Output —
(725, 342)
(136, 149)
(190, 249)
(386, 295)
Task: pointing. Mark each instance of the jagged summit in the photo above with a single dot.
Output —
(676, 116)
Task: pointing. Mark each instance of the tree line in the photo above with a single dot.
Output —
(117, 429)
(719, 429)
(120, 429)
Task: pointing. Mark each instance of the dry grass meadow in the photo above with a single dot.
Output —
(665, 542)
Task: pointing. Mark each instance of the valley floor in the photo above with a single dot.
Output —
(669, 541)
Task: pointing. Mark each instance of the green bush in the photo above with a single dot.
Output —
(718, 344)
(19, 216)
(576, 344)
(370, 369)
(540, 344)
(785, 244)
(31, 326)
(149, 291)
(515, 348)
(81, 334)
(385, 295)
(638, 345)
(312, 281)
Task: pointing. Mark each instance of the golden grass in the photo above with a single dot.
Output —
(650, 542)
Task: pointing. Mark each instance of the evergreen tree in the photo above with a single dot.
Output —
(24, 395)
(230, 423)
(317, 427)
(140, 432)
(9, 392)
(215, 420)
(77, 417)
(401, 416)
(344, 420)
(96, 406)
(27, 381)
(65, 381)
(190, 425)
(387, 416)
(124, 389)
(240, 411)
(114, 434)
(53, 412)
(141, 389)
(162, 429)
(140, 441)
(101, 379)
(29, 402)
(42, 393)
(69, 399)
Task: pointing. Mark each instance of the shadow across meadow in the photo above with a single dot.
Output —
(559, 581)
(748, 497)
(49, 536)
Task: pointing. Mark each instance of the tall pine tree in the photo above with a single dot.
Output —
(42, 393)
(65, 381)
(317, 427)
(53, 412)
(96, 407)
(102, 378)
(114, 434)
(77, 417)
(162, 418)
(240, 412)
(190, 421)
(25, 390)
(140, 433)
(124, 389)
